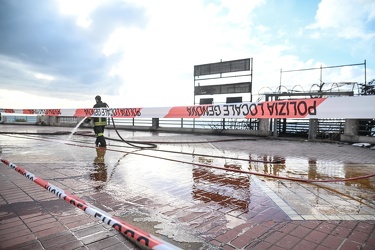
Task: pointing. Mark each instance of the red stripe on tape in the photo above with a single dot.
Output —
(298, 108)
(187, 111)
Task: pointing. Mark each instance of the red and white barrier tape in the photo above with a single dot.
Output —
(141, 237)
(352, 107)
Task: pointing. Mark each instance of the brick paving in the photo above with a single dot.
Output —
(188, 206)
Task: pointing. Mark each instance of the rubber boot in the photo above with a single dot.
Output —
(102, 142)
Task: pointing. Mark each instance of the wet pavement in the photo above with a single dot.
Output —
(193, 191)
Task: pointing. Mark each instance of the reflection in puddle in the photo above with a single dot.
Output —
(356, 171)
(330, 198)
(226, 190)
(233, 191)
(100, 169)
(264, 164)
(311, 168)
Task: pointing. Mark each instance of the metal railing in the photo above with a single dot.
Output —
(330, 129)
(327, 128)
(18, 119)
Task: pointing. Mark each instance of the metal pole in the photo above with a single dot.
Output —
(365, 79)
(281, 72)
(251, 81)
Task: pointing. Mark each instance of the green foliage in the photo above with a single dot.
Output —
(368, 89)
(20, 120)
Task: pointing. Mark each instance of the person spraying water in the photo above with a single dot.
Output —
(99, 123)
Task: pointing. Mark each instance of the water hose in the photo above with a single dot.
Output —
(132, 144)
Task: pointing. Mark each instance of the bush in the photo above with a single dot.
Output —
(20, 120)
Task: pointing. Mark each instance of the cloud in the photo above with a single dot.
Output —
(35, 38)
(142, 52)
(348, 18)
(177, 36)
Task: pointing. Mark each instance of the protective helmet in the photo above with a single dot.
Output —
(98, 98)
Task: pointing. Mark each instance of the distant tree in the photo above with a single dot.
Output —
(368, 89)
(367, 126)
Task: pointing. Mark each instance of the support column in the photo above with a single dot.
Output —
(54, 121)
(350, 131)
(155, 123)
(48, 120)
(264, 125)
(313, 128)
(351, 127)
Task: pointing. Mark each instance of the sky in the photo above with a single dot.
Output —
(141, 53)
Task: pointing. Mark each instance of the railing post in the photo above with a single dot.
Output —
(275, 128)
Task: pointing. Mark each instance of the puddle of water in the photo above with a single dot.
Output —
(308, 168)
(156, 179)
(235, 191)
(163, 228)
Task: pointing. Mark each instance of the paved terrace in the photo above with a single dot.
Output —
(192, 207)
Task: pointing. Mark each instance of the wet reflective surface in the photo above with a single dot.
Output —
(164, 191)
